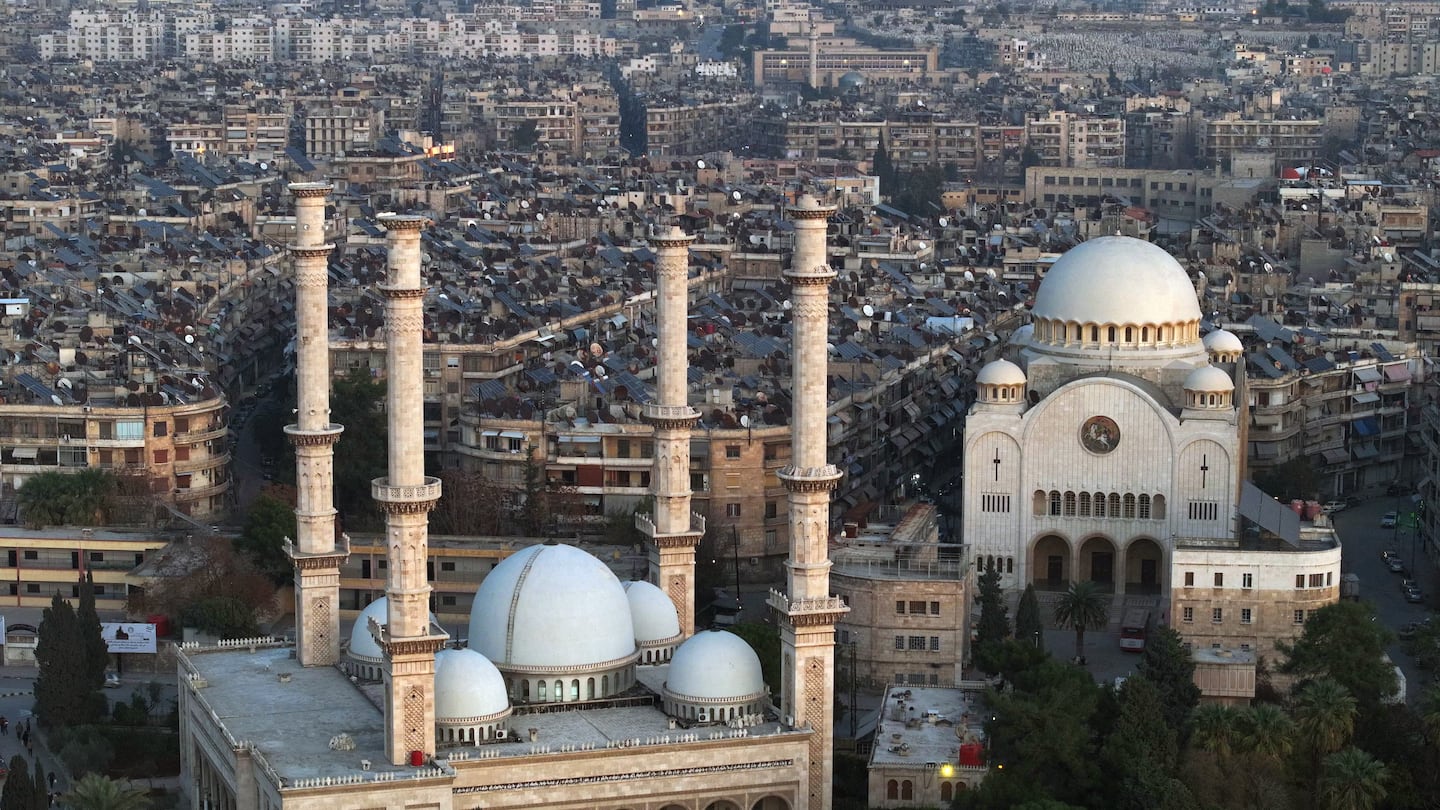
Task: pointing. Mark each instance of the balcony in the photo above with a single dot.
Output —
(196, 493)
(202, 435)
(193, 464)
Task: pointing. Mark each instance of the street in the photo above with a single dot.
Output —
(1362, 540)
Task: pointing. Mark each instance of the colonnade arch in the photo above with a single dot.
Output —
(1136, 565)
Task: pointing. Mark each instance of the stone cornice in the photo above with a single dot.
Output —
(400, 293)
(311, 251)
(402, 222)
(310, 189)
(327, 435)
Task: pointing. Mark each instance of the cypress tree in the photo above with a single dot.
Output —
(1028, 627)
(63, 693)
(882, 168)
(97, 653)
(39, 789)
(16, 792)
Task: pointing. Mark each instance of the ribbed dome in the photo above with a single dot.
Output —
(1223, 341)
(1209, 378)
(551, 606)
(362, 644)
(715, 664)
(1117, 280)
(1000, 372)
(467, 686)
(1022, 335)
(651, 612)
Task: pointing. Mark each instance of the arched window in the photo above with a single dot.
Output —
(1099, 505)
(892, 789)
(947, 792)
(559, 691)
(1157, 507)
(540, 690)
(1076, 333)
(1130, 506)
(1110, 335)
(907, 790)
(1160, 333)
(1054, 502)
(1084, 504)
(589, 688)
(1069, 504)
(1039, 502)
(1114, 504)
(1094, 334)
(1129, 334)
(605, 684)
(1142, 507)
(575, 689)
(1009, 565)
(1144, 334)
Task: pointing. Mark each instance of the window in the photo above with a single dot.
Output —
(1247, 580)
(96, 556)
(1189, 579)
(447, 566)
(161, 428)
(1299, 580)
(1328, 580)
(1317, 580)
(900, 607)
(1299, 617)
(447, 600)
(771, 510)
(917, 608)
(1203, 510)
(1245, 615)
(1054, 503)
(934, 608)
(130, 429)
(1217, 615)
(732, 510)
(1069, 504)
(1219, 580)
(899, 645)
(934, 644)
(162, 456)
(1187, 615)
(995, 503)
(916, 643)
(732, 451)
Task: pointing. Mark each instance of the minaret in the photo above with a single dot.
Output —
(406, 496)
(316, 560)
(674, 530)
(808, 612)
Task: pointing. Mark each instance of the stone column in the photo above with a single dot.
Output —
(807, 610)
(313, 554)
(406, 496)
(674, 530)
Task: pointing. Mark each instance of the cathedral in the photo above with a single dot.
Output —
(573, 689)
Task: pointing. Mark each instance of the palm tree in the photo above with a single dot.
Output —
(1353, 780)
(1429, 711)
(1082, 607)
(96, 792)
(1217, 729)
(1268, 733)
(1324, 718)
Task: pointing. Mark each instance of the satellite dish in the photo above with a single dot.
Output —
(189, 338)
(596, 349)
(577, 366)
(600, 371)
(868, 310)
(990, 272)
(539, 216)
(654, 341)
(786, 304)
(920, 245)
(745, 420)
(969, 276)
(755, 239)
(735, 195)
(944, 222)
(1269, 268)
(63, 383)
(55, 398)
(1389, 257)
(830, 347)
(140, 212)
(135, 340)
(264, 166)
(699, 164)
(525, 204)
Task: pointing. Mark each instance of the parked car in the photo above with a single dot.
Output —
(1414, 595)
(1387, 520)
(1331, 507)
(112, 680)
(1396, 565)
(1387, 554)
(1408, 583)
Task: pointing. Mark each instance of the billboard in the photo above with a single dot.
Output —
(128, 637)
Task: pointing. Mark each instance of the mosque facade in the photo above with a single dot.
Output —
(573, 689)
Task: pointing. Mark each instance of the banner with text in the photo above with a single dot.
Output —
(128, 637)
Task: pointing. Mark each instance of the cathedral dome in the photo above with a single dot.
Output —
(550, 606)
(1117, 280)
(1209, 378)
(467, 686)
(1222, 340)
(1000, 372)
(715, 665)
(651, 612)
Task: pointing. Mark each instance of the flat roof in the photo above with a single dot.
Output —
(927, 726)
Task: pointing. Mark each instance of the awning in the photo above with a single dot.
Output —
(580, 439)
(1336, 456)
(1365, 450)
(26, 452)
(1397, 373)
(1366, 427)
(1367, 374)
(1367, 398)
(511, 434)
(487, 433)
(618, 321)
(1267, 450)
(912, 409)
(431, 435)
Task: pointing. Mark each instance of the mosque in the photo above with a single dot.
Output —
(573, 689)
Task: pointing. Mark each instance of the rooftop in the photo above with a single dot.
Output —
(923, 726)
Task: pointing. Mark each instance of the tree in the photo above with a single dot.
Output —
(764, 639)
(525, 135)
(1267, 733)
(81, 498)
(1168, 665)
(268, 521)
(469, 504)
(1140, 753)
(222, 616)
(39, 788)
(1324, 714)
(1296, 478)
(210, 568)
(1028, 626)
(96, 792)
(1344, 642)
(65, 694)
(18, 789)
(994, 625)
(1217, 729)
(97, 652)
(1353, 780)
(1082, 607)
(361, 454)
(882, 168)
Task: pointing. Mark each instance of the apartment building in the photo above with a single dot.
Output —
(453, 567)
(38, 563)
(1064, 139)
(1290, 140)
(694, 126)
(835, 59)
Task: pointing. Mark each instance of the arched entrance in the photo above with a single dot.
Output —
(722, 805)
(771, 803)
(1097, 562)
(1144, 566)
(1050, 562)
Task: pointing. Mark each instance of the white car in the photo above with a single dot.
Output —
(112, 680)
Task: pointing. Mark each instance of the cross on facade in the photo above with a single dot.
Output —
(1204, 468)
(996, 462)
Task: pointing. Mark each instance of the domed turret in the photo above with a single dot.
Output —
(656, 622)
(1208, 388)
(1224, 346)
(1113, 295)
(471, 704)
(714, 676)
(556, 622)
(1001, 382)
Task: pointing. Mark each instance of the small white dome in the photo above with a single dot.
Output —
(1209, 378)
(362, 644)
(1117, 280)
(467, 686)
(1223, 341)
(1023, 335)
(551, 606)
(651, 612)
(715, 664)
(1000, 372)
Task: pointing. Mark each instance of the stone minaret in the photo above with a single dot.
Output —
(808, 612)
(314, 555)
(674, 530)
(406, 496)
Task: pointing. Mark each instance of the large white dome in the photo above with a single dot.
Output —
(1117, 280)
(362, 644)
(467, 686)
(715, 665)
(652, 613)
(551, 606)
